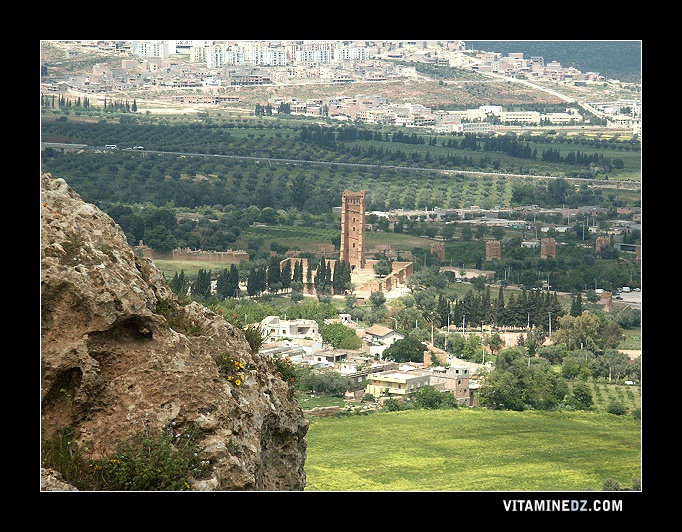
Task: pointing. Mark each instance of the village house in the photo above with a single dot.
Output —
(275, 329)
(378, 334)
(379, 338)
(396, 384)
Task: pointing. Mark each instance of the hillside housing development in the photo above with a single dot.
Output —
(208, 65)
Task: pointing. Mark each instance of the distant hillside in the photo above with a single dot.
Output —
(620, 60)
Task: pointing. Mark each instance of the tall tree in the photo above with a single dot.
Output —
(274, 275)
(179, 283)
(298, 272)
(255, 283)
(233, 281)
(408, 349)
(321, 277)
(577, 305)
(286, 275)
(443, 309)
(227, 283)
(222, 284)
(201, 288)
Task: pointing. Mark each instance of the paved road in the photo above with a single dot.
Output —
(634, 298)
(568, 99)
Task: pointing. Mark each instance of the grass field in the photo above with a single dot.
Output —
(633, 339)
(191, 267)
(473, 450)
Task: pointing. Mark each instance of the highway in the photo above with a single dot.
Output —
(535, 86)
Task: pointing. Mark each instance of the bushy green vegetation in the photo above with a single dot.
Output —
(473, 450)
(165, 460)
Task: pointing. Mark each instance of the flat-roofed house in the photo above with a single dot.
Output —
(275, 329)
(399, 384)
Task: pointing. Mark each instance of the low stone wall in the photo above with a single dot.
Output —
(323, 411)
(225, 257)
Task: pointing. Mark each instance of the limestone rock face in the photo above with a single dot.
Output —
(120, 355)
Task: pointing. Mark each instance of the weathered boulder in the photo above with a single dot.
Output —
(120, 355)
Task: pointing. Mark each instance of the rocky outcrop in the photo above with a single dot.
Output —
(120, 355)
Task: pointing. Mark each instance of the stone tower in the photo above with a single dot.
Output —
(547, 248)
(601, 243)
(493, 250)
(438, 249)
(353, 229)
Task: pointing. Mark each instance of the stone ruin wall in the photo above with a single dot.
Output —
(224, 257)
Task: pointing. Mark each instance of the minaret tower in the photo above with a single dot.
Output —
(353, 229)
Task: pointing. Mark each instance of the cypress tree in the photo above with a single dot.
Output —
(233, 281)
(222, 287)
(252, 283)
(201, 289)
(320, 276)
(286, 275)
(274, 275)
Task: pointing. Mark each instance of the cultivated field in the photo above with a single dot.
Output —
(473, 450)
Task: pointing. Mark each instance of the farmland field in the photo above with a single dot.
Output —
(473, 450)
(310, 238)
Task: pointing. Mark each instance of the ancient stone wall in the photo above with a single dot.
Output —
(225, 257)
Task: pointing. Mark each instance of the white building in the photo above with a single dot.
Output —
(522, 117)
(466, 127)
(396, 383)
(276, 329)
(153, 48)
(380, 335)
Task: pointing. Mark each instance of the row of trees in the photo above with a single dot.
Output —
(210, 138)
(110, 105)
(520, 382)
(589, 334)
(510, 144)
(272, 278)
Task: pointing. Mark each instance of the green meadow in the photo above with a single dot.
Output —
(473, 450)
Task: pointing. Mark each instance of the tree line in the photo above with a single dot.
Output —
(329, 142)
(273, 278)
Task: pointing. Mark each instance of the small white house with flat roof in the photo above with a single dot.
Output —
(275, 329)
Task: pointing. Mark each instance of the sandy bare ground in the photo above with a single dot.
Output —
(631, 353)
